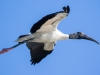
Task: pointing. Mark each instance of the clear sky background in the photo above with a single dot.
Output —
(70, 57)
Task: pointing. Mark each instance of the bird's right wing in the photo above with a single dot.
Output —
(50, 22)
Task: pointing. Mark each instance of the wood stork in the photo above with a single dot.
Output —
(44, 35)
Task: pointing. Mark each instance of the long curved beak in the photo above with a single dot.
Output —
(89, 38)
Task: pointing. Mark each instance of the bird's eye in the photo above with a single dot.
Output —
(80, 33)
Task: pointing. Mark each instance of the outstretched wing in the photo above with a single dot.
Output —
(51, 21)
(39, 51)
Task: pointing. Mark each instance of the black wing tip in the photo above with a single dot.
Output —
(66, 9)
(36, 60)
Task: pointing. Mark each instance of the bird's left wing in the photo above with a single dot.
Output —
(39, 51)
(50, 22)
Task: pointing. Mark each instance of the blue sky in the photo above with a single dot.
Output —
(70, 57)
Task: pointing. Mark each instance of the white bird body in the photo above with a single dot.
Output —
(44, 37)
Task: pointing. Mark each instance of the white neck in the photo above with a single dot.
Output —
(64, 37)
(61, 36)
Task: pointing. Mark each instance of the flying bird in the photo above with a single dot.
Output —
(44, 35)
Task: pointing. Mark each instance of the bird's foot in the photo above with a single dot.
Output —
(5, 50)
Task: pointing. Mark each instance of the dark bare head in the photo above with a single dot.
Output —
(80, 35)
